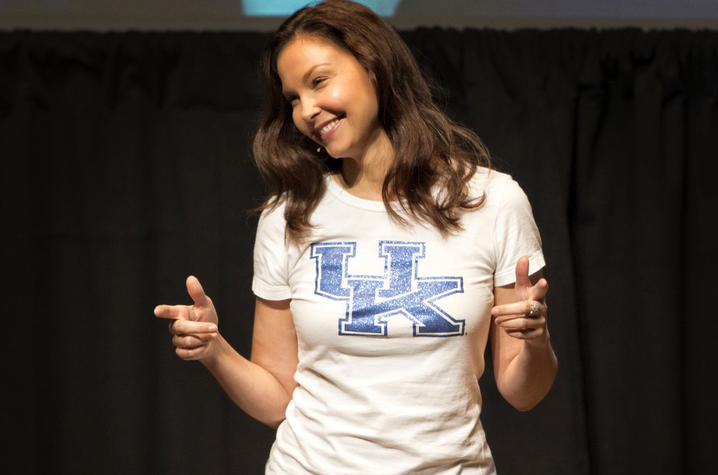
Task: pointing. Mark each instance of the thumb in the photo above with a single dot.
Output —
(522, 274)
(195, 290)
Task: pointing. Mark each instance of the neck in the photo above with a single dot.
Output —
(364, 176)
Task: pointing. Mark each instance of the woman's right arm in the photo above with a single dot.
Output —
(261, 386)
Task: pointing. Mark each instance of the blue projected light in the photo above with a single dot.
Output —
(287, 7)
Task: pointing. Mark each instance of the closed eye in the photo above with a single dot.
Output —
(318, 80)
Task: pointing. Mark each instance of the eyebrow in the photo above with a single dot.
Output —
(287, 92)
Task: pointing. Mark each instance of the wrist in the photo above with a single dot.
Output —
(540, 349)
(216, 349)
(541, 342)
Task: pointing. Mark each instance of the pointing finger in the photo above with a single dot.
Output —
(195, 290)
(522, 273)
(174, 312)
(539, 291)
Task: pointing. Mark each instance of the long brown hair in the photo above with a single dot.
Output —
(430, 149)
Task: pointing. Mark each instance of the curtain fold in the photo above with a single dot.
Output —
(127, 168)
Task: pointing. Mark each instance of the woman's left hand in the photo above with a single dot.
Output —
(524, 318)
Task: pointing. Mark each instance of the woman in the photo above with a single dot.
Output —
(379, 254)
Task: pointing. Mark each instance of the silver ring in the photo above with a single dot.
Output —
(534, 308)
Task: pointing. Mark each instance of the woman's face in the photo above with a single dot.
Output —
(332, 97)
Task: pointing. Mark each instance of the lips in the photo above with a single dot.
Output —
(326, 129)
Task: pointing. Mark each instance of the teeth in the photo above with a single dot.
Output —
(328, 127)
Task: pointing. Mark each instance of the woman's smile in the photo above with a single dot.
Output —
(328, 128)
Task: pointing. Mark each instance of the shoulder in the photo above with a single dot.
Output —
(495, 186)
(272, 219)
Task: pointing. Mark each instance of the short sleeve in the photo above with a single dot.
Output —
(516, 234)
(270, 279)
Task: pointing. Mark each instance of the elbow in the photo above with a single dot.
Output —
(273, 418)
(517, 400)
(524, 401)
(524, 406)
(274, 423)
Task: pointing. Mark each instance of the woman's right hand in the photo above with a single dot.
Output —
(193, 327)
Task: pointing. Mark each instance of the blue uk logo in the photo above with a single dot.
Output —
(371, 299)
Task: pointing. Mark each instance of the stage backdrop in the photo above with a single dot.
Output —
(126, 168)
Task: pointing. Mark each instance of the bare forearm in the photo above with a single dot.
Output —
(528, 377)
(254, 389)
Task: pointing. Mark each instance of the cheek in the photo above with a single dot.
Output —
(336, 96)
(366, 97)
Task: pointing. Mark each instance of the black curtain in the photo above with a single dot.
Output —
(126, 167)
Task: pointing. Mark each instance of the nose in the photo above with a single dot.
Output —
(309, 109)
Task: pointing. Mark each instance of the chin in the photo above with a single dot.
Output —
(335, 154)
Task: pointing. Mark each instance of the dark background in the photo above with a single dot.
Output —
(126, 168)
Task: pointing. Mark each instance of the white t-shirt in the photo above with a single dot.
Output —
(392, 323)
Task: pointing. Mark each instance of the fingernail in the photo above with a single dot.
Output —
(213, 328)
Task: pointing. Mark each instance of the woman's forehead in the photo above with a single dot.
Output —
(311, 45)
(305, 52)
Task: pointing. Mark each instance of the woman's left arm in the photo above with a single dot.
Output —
(524, 363)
